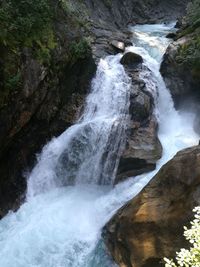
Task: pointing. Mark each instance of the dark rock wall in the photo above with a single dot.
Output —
(31, 121)
(121, 13)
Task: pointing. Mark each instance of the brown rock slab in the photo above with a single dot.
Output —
(150, 226)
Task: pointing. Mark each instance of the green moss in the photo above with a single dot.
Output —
(189, 53)
(79, 50)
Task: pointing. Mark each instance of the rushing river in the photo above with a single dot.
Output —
(70, 192)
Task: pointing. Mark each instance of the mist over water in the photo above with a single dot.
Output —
(70, 195)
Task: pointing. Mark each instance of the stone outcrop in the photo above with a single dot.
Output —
(150, 226)
(143, 147)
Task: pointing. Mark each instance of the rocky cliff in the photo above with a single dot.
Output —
(47, 63)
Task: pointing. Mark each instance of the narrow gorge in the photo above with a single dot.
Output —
(90, 127)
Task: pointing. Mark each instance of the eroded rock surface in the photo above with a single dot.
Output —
(150, 226)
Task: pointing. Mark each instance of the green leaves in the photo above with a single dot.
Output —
(24, 22)
(79, 50)
(189, 257)
(193, 12)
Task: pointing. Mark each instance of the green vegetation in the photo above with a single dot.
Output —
(27, 23)
(189, 55)
(189, 257)
(193, 12)
(23, 23)
(32, 24)
(189, 52)
(79, 50)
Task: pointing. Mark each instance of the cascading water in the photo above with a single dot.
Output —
(89, 151)
(60, 224)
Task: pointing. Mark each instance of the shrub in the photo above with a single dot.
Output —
(26, 23)
(193, 12)
(79, 50)
(189, 257)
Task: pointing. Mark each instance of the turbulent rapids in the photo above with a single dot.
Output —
(70, 192)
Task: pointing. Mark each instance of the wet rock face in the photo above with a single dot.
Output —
(150, 226)
(42, 110)
(143, 147)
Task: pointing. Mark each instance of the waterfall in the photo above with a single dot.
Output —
(89, 151)
(70, 193)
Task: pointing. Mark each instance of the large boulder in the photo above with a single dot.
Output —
(150, 226)
(131, 59)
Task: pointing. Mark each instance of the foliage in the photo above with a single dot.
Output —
(193, 12)
(26, 23)
(79, 50)
(189, 257)
(14, 81)
(189, 53)
(41, 26)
